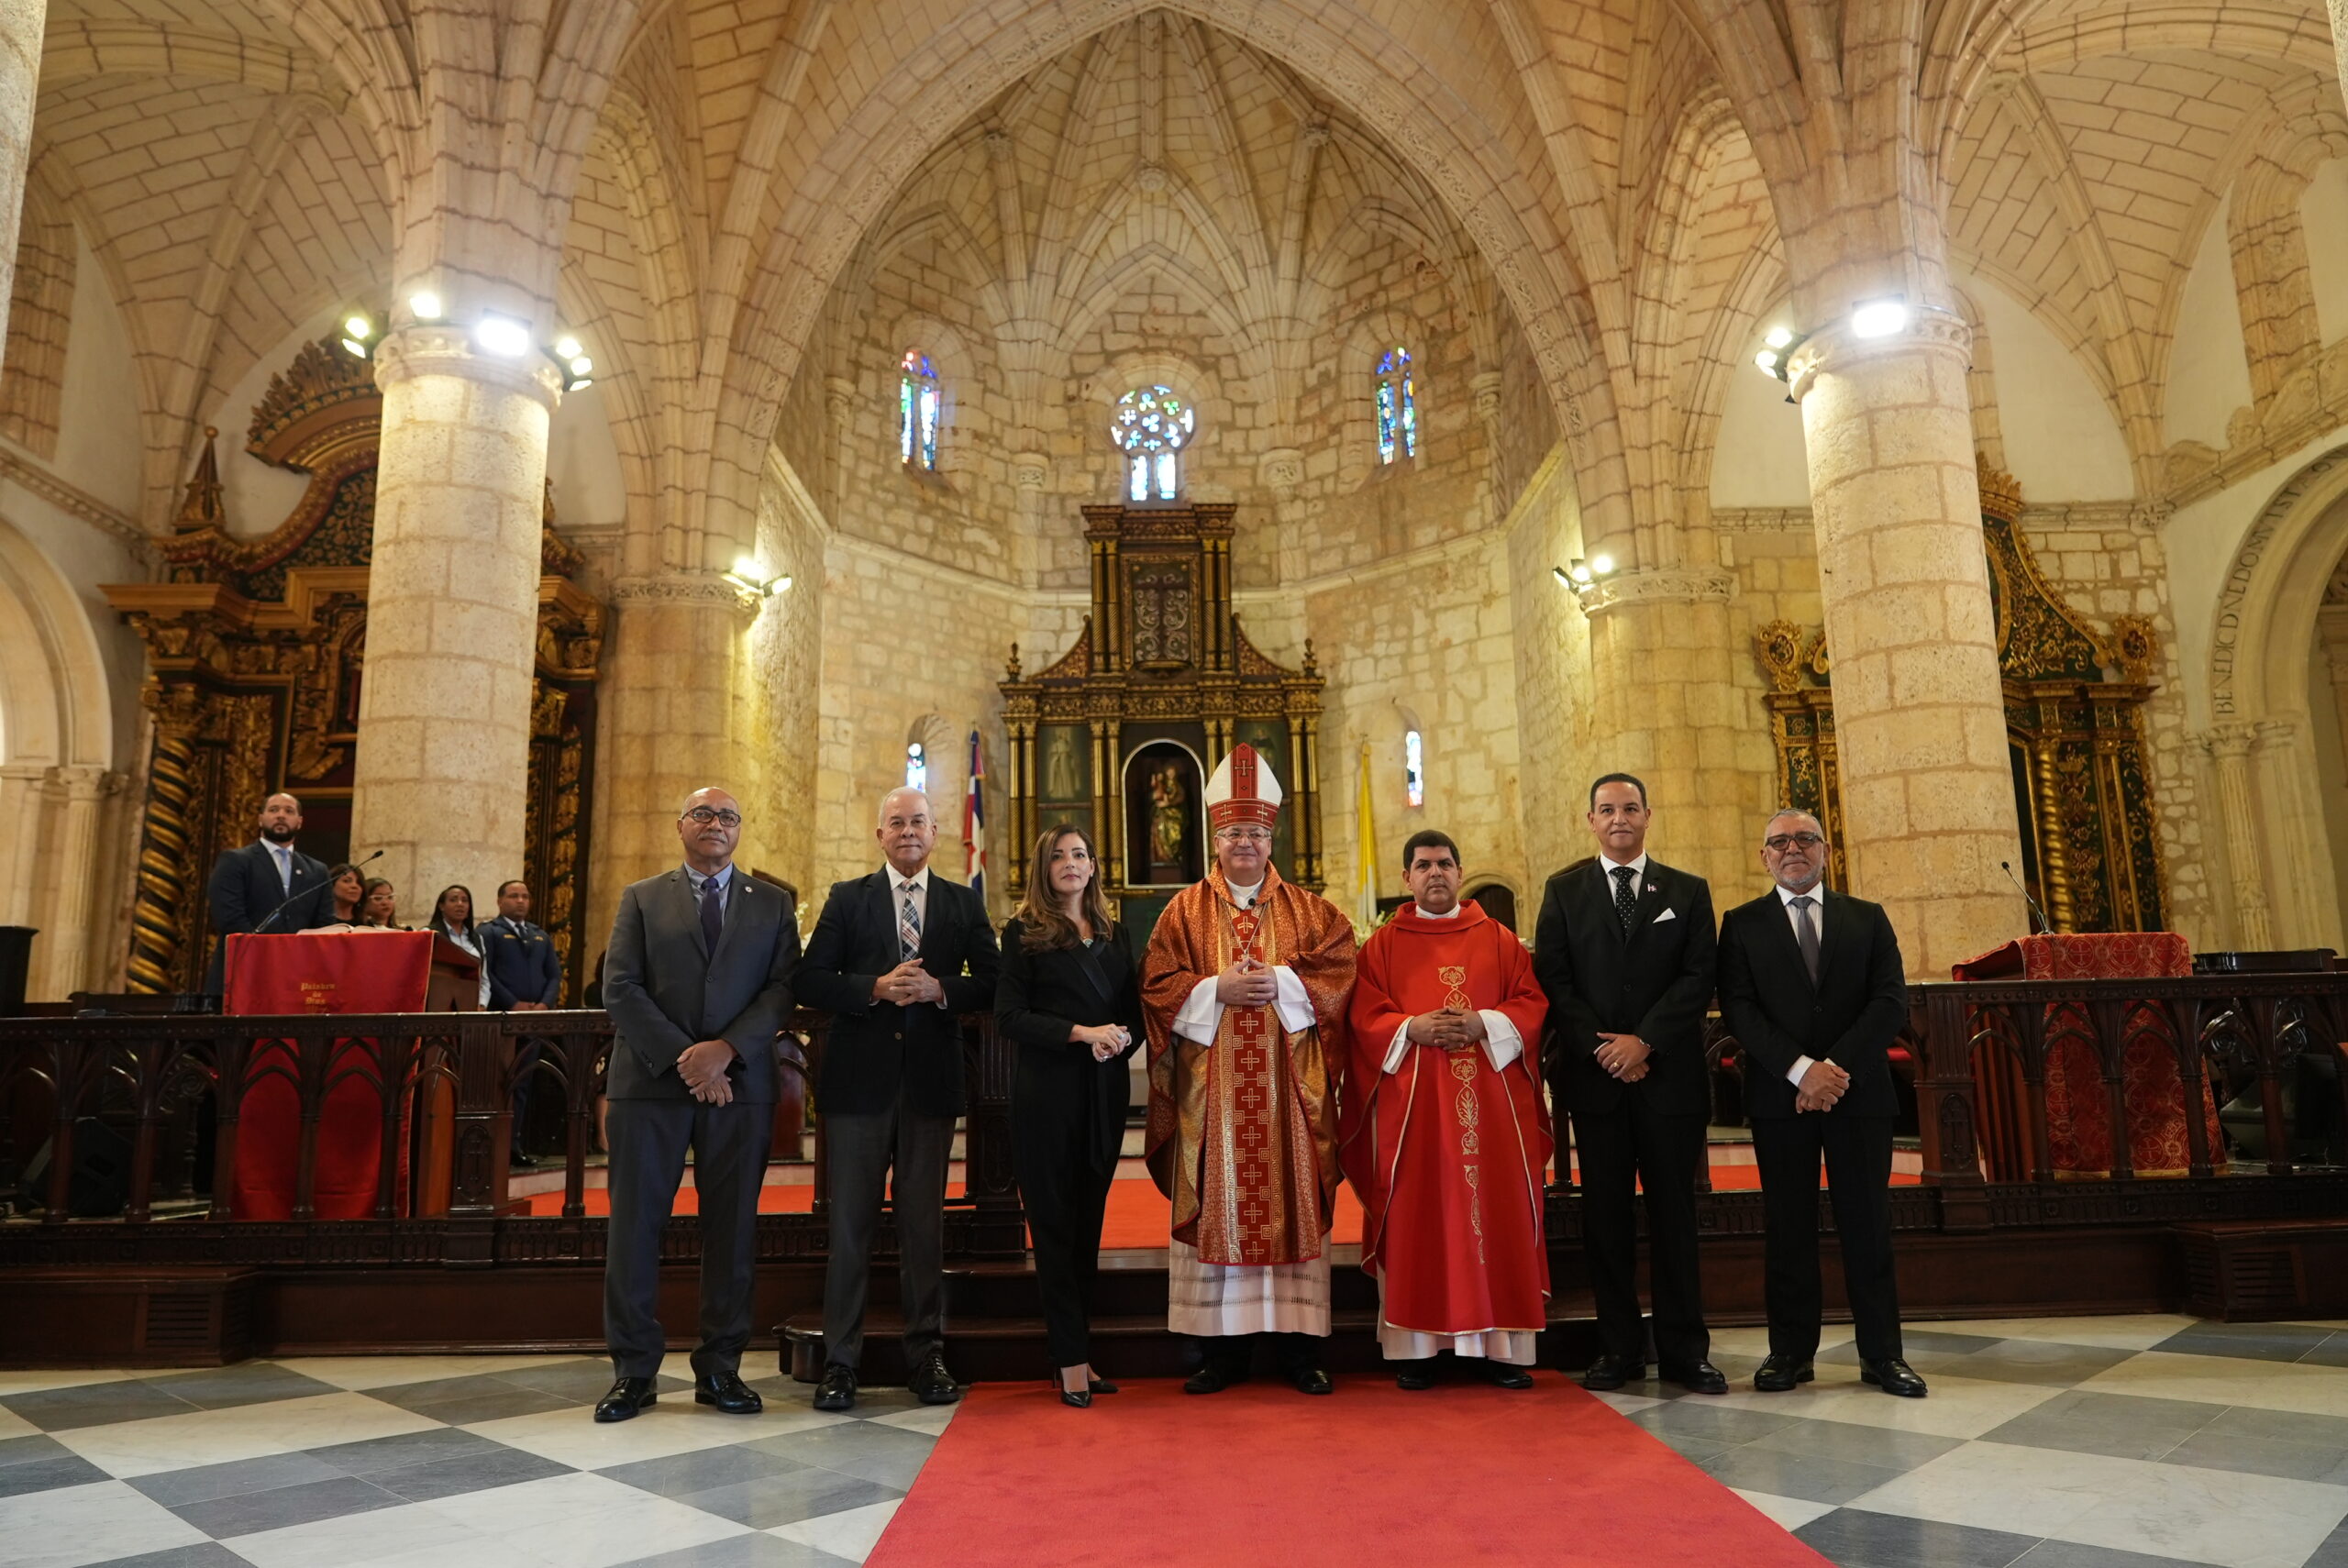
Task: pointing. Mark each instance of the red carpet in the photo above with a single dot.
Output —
(1136, 1216)
(1261, 1474)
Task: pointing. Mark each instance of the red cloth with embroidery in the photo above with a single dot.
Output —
(2078, 1102)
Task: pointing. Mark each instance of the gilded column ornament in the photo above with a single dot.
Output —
(159, 907)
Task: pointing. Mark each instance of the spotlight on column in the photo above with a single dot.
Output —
(1601, 566)
(748, 576)
(1577, 575)
(1778, 338)
(358, 335)
(424, 305)
(1775, 356)
(1878, 319)
(570, 357)
(505, 336)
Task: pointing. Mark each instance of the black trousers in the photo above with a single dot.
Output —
(1621, 1150)
(1858, 1150)
(858, 1152)
(1066, 1194)
(648, 1139)
(1290, 1352)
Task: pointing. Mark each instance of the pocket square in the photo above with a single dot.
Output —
(1668, 915)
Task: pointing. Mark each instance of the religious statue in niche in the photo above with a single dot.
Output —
(1161, 616)
(1170, 821)
(1062, 775)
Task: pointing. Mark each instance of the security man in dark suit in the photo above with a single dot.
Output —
(1813, 988)
(698, 984)
(265, 885)
(1624, 949)
(523, 962)
(895, 956)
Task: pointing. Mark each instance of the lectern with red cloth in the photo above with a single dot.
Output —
(327, 972)
(2078, 1104)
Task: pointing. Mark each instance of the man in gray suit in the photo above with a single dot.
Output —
(697, 980)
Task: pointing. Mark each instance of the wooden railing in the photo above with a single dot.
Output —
(144, 1078)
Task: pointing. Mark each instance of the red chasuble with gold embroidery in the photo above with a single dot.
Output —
(1243, 1133)
(1449, 1156)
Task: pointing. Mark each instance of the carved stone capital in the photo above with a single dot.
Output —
(687, 589)
(1283, 468)
(1834, 345)
(1030, 470)
(1665, 585)
(2229, 743)
(1484, 387)
(441, 349)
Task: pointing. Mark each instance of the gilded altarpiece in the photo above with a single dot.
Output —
(2074, 734)
(1120, 732)
(255, 656)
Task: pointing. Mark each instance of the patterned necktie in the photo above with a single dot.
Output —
(908, 924)
(285, 858)
(1806, 933)
(713, 911)
(1625, 901)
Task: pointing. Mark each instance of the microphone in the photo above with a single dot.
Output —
(2045, 926)
(308, 894)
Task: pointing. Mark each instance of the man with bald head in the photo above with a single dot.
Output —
(697, 980)
(895, 958)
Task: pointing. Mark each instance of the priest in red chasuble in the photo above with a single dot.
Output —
(1445, 1132)
(1243, 991)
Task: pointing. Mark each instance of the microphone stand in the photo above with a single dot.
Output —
(2045, 926)
(306, 893)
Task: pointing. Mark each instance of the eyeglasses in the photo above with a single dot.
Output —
(704, 816)
(1782, 842)
(1244, 835)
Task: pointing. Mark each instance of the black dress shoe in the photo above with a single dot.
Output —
(1311, 1380)
(1500, 1375)
(1214, 1376)
(628, 1395)
(932, 1384)
(1415, 1375)
(1778, 1374)
(1893, 1377)
(1101, 1385)
(1610, 1371)
(1701, 1378)
(837, 1391)
(728, 1393)
(522, 1161)
(1079, 1398)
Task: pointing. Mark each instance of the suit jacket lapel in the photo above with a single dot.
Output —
(682, 897)
(737, 897)
(1090, 962)
(1602, 898)
(884, 897)
(1779, 920)
(936, 902)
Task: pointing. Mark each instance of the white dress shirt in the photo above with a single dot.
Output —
(1606, 865)
(282, 853)
(917, 885)
(1816, 894)
(723, 877)
(1502, 1044)
(1201, 1014)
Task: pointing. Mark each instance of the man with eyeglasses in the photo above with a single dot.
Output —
(894, 958)
(1243, 991)
(1812, 988)
(697, 980)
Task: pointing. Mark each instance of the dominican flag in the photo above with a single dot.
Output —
(974, 824)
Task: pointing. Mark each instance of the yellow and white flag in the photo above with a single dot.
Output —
(1365, 853)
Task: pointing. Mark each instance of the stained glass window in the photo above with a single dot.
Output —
(1415, 777)
(1397, 411)
(916, 767)
(1152, 426)
(917, 412)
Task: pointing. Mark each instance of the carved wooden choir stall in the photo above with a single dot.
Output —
(1119, 735)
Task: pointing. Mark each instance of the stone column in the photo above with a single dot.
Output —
(77, 877)
(444, 727)
(1666, 705)
(21, 785)
(2304, 910)
(1920, 721)
(21, 22)
(2229, 746)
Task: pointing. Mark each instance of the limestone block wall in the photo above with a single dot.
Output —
(1551, 667)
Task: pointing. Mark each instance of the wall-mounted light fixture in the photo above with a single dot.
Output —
(507, 336)
(1583, 573)
(748, 576)
(424, 305)
(360, 331)
(571, 358)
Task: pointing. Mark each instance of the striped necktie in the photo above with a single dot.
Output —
(908, 923)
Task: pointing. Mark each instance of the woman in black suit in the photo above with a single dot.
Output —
(1070, 996)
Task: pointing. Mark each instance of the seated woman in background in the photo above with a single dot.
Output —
(379, 905)
(1069, 995)
(346, 891)
(452, 917)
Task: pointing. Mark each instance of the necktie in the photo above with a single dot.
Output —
(285, 858)
(1625, 901)
(1806, 933)
(713, 911)
(908, 924)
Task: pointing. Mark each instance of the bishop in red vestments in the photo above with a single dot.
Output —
(1444, 1132)
(1244, 993)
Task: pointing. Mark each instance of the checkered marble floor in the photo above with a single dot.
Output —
(438, 1461)
(2077, 1443)
(2063, 1443)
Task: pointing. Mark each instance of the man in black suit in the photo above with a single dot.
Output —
(523, 962)
(252, 884)
(1624, 949)
(895, 958)
(1812, 988)
(698, 984)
